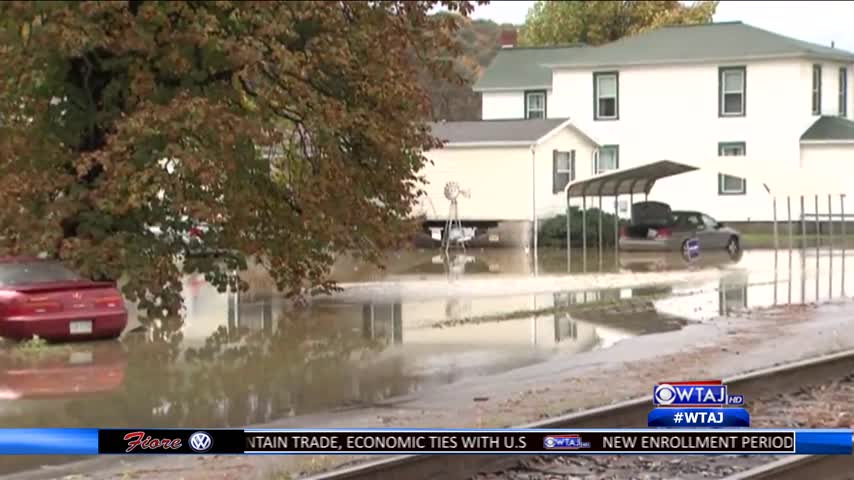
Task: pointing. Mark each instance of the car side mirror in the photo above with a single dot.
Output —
(719, 225)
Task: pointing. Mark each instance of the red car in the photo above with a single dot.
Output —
(42, 297)
(98, 368)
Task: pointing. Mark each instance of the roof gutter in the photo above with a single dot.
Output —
(488, 144)
(848, 58)
(845, 141)
(515, 88)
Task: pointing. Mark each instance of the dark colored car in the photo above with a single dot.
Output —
(655, 227)
(44, 298)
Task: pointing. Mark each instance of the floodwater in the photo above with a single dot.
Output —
(243, 359)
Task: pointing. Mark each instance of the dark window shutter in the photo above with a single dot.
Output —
(572, 166)
(555, 180)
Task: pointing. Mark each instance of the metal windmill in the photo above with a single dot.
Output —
(453, 227)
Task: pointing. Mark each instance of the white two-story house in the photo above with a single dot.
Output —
(688, 93)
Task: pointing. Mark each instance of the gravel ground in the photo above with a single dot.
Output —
(826, 405)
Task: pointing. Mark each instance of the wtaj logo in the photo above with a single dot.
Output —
(694, 394)
(564, 442)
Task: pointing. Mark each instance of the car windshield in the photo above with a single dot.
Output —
(34, 272)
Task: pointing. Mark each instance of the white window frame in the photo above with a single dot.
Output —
(724, 92)
(741, 148)
(597, 155)
(570, 157)
(528, 108)
(599, 96)
(570, 154)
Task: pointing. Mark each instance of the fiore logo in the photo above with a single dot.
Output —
(201, 441)
(145, 442)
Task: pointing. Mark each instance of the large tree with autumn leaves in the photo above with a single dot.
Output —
(594, 22)
(294, 129)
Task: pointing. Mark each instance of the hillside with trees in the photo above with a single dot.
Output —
(478, 40)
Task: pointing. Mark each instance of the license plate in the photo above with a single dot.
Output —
(77, 358)
(81, 327)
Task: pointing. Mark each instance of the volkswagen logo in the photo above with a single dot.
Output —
(77, 295)
(664, 394)
(201, 442)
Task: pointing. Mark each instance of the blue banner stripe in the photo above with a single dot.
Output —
(48, 441)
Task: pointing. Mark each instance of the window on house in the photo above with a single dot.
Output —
(563, 170)
(816, 89)
(606, 159)
(535, 104)
(843, 92)
(732, 91)
(727, 184)
(606, 95)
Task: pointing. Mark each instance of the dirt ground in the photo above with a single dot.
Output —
(716, 349)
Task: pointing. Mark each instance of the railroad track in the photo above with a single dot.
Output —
(630, 414)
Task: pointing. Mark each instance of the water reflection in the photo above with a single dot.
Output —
(248, 358)
(422, 264)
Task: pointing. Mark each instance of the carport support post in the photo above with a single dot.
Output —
(803, 224)
(817, 225)
(844, 238)
(568, 235)
(789, 210)
(776, 245)
(616, 227)
(599, 238)
(584, 233)
(830, 220)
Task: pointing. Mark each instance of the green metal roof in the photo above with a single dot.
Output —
(829, 129)
(719, 42)
(523, 68)
(486, 131)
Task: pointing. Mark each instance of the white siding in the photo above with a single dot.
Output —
(671, 112)
(502, 105)
(830, 87)
(550, 204)
(498, 179)
(509, 104)
(837, 158)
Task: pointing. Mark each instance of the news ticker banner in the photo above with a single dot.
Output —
(58, 441)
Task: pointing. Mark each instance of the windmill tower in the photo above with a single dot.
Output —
(454, 233)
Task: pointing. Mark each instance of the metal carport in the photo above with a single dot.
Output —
(778, 180)
(628, 181)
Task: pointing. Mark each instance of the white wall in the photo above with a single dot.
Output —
(672, 113)
(838, 158)
(498, 179)
(550, 204)
(501, 105)
(830, 87)
(507, 104)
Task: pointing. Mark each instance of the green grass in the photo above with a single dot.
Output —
(766, 240)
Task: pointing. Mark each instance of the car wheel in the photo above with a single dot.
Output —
(733, 246)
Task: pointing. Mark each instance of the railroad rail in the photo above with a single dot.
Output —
(627, 414)
(801, 467)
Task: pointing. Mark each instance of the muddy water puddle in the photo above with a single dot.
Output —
(243, 359)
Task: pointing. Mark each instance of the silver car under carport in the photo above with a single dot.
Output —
(655, 227)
